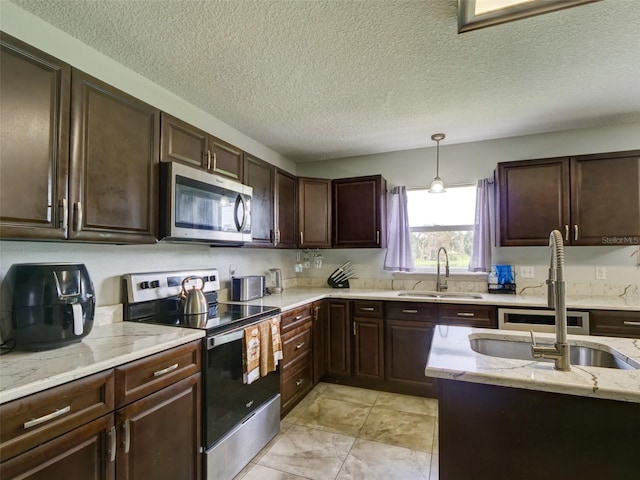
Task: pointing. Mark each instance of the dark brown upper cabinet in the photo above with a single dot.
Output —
(187, 144)
(260, 175)
(314, 212)
(34, 145)
(591, 199)
(113, 186)
(285, 208)
(360, 212)
(78, 156)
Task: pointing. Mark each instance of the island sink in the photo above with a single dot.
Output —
(581, 355)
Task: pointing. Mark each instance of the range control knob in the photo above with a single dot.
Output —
(155, 284)
(144, 285)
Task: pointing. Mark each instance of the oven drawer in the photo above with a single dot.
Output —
(296, 317)
(297, 380)
(37, 418)
(138, 379)
(295, 344)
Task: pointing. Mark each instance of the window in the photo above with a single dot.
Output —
(442, 220)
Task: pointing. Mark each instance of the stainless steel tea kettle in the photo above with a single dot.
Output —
(193, 301)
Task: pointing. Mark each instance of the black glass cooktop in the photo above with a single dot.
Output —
(220, 318)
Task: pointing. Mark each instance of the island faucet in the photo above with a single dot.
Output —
(556, 299)
(442, 284)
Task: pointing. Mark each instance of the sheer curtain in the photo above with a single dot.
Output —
(398, 257)
(481, 251)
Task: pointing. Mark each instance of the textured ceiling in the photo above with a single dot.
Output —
(314, 80)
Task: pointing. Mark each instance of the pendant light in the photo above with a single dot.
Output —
(437, 186)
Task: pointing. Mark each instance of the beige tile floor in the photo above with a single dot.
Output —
(347, 433)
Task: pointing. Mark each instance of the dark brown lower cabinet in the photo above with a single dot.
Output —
(338, 338)
(615, 324)
(82, 453)
(502, 433)
(161, 434)
(407, 345)
(368, 348)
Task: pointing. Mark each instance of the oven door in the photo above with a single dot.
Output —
(228, 401)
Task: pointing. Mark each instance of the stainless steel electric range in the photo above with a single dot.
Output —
(238, 419)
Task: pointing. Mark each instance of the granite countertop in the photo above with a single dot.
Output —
(107, 346)
(295, 297)
(451, 357)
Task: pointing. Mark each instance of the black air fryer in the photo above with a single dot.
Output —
(47, 305)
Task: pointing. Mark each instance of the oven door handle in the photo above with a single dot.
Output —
(218, 340)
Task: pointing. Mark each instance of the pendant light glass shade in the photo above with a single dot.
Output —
(437, 185)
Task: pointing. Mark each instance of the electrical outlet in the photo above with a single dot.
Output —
(601, 273)
(232, 270)
(527, 272)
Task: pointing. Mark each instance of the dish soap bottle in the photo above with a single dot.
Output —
(492, 280)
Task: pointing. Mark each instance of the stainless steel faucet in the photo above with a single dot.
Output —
(556, 299)
(442, 284)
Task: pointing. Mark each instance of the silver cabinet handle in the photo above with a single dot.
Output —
(575, 232)
(165, 370)
(407, 310)
(208, 159)
(78, 220)
(378, 237)
(354, 328)
(301, 238)
(298, 317)
(566, 232)
(112, 444)
(299, 382)
(299, 346)
(127, 436)
(367, 309)
(465, 314)
(215, 161)
(632, 324)
(46, 418)
(277, 238)
(64, 214)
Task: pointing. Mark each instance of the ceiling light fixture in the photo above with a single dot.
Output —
(437, 186)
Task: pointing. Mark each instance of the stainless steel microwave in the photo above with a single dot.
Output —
(197, 206)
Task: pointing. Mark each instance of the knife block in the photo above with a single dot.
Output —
(333, 284)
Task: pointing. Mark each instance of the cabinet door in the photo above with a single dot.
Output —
(314, 212)
(83, 453)
(605, 199)
(225, 159)
(407, 348)
(368, 350)
(285, 210)
(114, 158)
(159, 435)
(319, 322)
(338, 338)
(34, 145)
(183, 143)
(359, 212)
(533, 199)
(259, 175)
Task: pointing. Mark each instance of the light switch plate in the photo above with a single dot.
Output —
(527, 272)
(601, 273)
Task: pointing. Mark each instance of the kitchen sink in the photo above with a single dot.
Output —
(440, 295)
(579, 354)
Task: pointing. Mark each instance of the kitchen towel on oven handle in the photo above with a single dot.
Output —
(271, 345)
(251, 354)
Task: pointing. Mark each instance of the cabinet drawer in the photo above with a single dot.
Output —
(470, 315)
(138, 379)
(615, 324)
(367, 308)
(296, 343)
(34, 419)
(294, 318)
(411, 311)
(297, 380)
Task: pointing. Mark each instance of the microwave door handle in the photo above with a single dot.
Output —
(240, 224)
